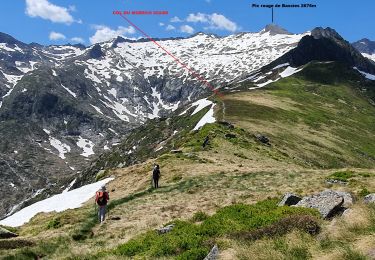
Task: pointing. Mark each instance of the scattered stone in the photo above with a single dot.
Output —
(115, 218)
(230, 135)
(263, 139)
(333, 181)
(176, 151)
(213, 254)
(289, 199)
(4, 233)
(165, 229)
(328, 203)
(369, 198)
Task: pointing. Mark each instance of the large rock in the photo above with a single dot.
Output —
(213, 254)
(4, 233)
(369, 198)
(348, 198)
(289, 199)
(328, 203)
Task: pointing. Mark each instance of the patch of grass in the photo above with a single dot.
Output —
(351, 254)
(240, 155)
(343, 176)
(199, 216)
(54, 223)
(364, 192)
(191, 241)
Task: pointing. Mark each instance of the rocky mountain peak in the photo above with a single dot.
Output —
(365, 46)
(96, 52)
(328, 32)
(6, 38)
(274, 29)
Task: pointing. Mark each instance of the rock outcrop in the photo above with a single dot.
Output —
(328, 203)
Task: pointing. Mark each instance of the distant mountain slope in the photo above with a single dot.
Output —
(366, 47)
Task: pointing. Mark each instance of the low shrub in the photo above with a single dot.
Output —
(304, 223)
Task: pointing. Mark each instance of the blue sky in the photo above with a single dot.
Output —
(90, 21)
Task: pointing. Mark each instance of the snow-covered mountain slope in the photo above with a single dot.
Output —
(366, 48)
(113, 65)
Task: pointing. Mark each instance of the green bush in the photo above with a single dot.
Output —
(54, 223)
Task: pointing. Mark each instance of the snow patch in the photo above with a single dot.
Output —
(60, 147)
(86, 145)
(69, 91)
(70, 185)
(67, 200)
(206, 119)
(289, 71)
(367, 75)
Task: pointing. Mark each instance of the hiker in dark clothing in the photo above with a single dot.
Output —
(156, 175)
(205, 142)
(101, 198)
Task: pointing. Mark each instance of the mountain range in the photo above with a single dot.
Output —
(63, 107)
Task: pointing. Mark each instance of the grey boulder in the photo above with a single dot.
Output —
(289, 199)
(369, 198)
(328, 203)
(213, 254)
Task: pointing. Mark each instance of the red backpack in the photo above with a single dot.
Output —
(101, 198)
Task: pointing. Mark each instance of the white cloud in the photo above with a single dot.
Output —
(77, 40)
(48, 11)
(161, 24)
(214, 21)
(55, 36)
(199, 17)
(186, 29)
(175, 20)
(219, 21)
(170, 27)
(105, 33)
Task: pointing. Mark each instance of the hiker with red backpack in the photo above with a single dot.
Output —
(101, 198)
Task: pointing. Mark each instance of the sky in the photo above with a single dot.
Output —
(91, 21)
